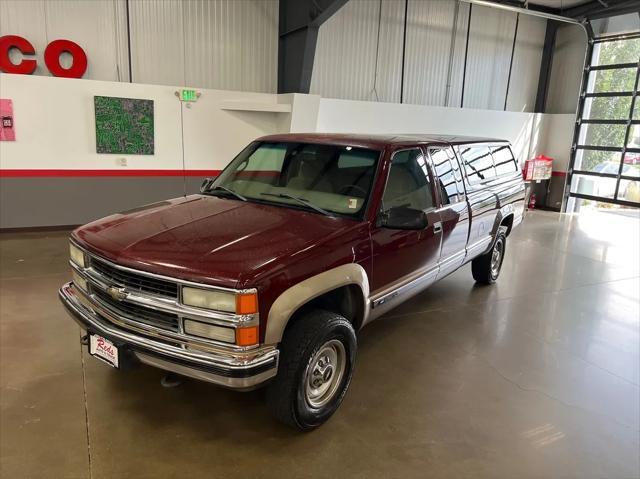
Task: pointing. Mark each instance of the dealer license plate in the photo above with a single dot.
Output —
(103, 349)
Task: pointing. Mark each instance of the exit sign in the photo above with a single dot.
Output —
(188, 95)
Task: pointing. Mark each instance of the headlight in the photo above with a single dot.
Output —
(216, 300)
(77, 255)
(79, 281)
(245, 303)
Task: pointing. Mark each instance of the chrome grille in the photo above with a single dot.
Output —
(133, 281)
(135, 312)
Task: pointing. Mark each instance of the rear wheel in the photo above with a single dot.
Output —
(486, 268)
(317, 355)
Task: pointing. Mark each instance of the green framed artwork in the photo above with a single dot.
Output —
(124, 125)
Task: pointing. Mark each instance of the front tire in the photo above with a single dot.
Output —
(317, 355)
(486, 268)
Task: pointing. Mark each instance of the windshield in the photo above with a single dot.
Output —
(327, 179)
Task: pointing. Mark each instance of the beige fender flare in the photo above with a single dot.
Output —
(298, 295)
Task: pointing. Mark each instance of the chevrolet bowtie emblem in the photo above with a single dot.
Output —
(119, 294)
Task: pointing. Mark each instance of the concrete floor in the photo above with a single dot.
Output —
(537, 376)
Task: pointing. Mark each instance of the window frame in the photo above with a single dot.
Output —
(430, 177)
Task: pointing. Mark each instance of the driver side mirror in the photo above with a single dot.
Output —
(206, 184)
(403, 218)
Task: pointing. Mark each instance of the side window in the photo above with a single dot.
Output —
(408, 184)
(455, 164)
(447, 174)
(478, 163)
(503, 159)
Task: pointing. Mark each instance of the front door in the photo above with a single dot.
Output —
(405, 261)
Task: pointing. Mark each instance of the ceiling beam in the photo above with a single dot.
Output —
(299, 21)
(590, 10)
(525, 11)
(594, 9)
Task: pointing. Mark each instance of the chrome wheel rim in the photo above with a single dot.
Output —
(496, 259)
(324, 373)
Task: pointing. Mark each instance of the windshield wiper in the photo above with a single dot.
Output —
(302, 201)
(228, 190)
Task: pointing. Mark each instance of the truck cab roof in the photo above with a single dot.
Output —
(377, 141)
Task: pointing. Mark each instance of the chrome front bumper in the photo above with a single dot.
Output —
(236, 370)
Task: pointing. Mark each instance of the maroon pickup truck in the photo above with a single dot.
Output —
(265, 276)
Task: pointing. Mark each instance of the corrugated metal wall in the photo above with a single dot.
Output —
(345, 59)
(525, 72)
(348, 69)
(489, 56)
(223, 44)
(429, 28)
(233, 44)
(566, 70)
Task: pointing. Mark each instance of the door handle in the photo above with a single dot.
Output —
(437, 227)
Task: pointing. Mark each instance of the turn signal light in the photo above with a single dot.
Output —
(247, 303)
(247, 336)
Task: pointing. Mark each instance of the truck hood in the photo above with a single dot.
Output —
(206, 239)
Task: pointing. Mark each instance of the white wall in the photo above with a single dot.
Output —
(55, 130)
(371, 117)
(222, 44)
(556, 136)
(55, 125)
(359, 55)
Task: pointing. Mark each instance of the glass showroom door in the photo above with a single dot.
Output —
(605, 172)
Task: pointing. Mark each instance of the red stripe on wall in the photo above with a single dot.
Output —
(5, 173)
(558, 173)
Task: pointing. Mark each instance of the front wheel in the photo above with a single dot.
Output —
(317, 355)
(486, 268)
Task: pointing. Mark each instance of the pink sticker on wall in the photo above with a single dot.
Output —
(7, 126)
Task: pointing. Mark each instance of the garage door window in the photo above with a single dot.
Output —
(605, 164)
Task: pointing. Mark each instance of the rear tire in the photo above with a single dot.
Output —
(486, 268)
(317, 355)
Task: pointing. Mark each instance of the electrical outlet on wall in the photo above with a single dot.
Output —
(121, 161)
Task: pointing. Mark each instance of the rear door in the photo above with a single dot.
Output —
(480, 172)
(406, 259)
(453, 209)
